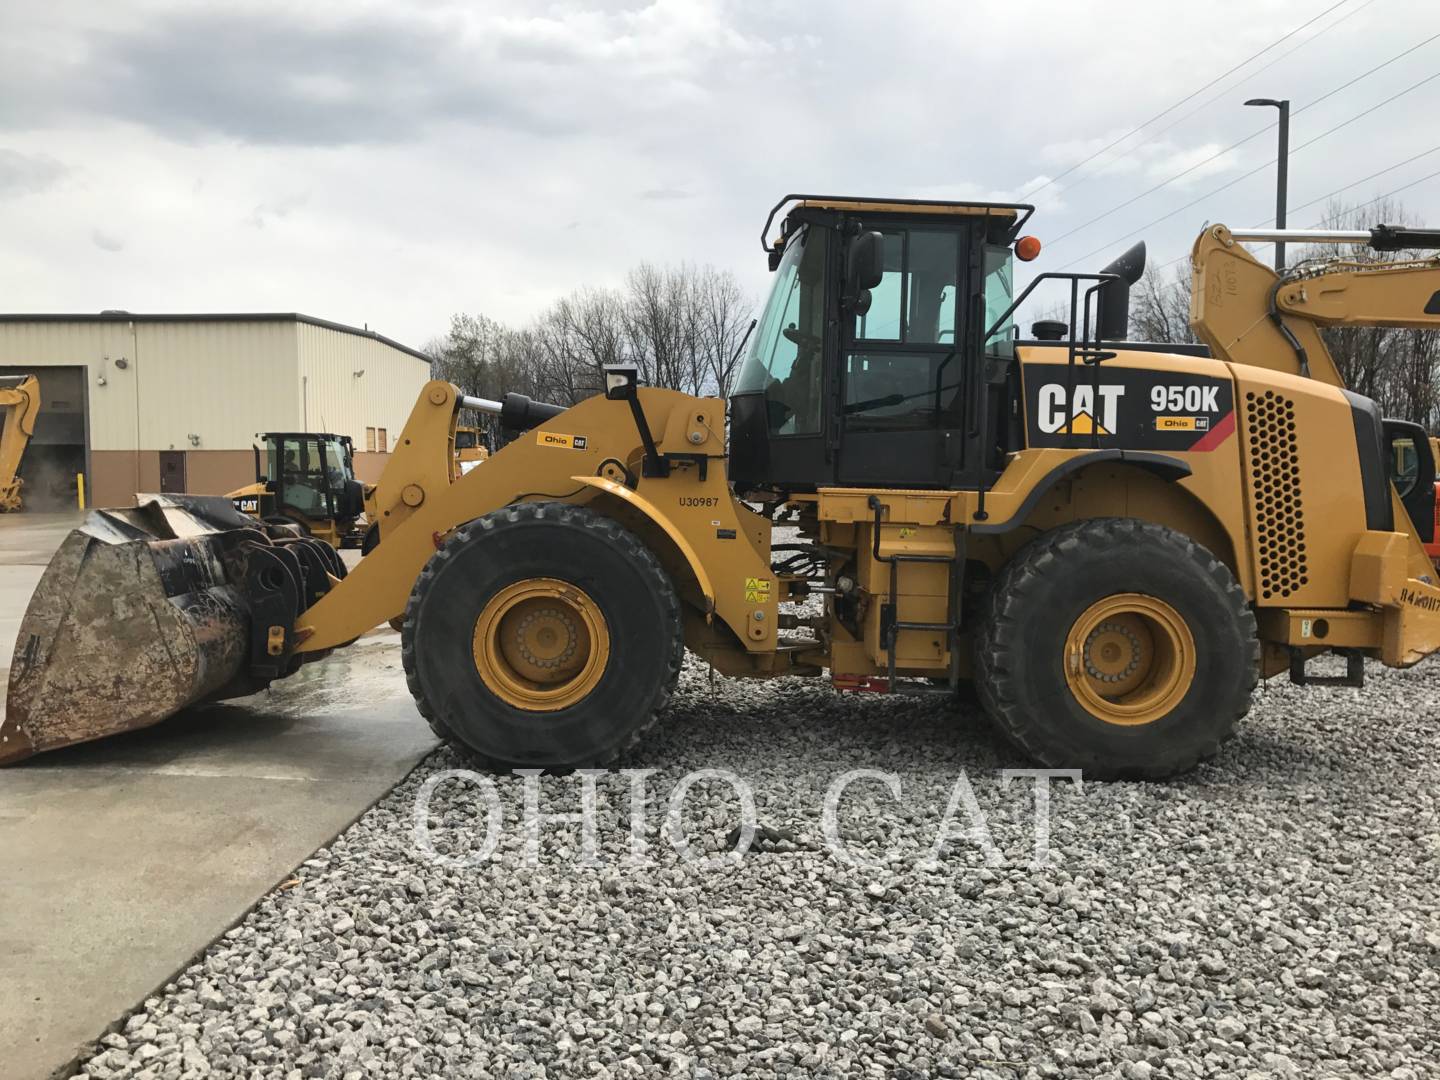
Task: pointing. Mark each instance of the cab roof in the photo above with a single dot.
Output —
(1018, 213)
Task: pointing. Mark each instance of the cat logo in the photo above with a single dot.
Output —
(247, 504)
(1080, 419)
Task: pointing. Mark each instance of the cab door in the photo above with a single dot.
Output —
(901, 367)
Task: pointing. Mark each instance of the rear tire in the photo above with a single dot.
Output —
(1118, 647)
(542, 635)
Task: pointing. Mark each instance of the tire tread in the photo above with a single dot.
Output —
(565, 515)
(1019, 589)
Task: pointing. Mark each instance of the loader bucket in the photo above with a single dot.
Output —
(146, 610)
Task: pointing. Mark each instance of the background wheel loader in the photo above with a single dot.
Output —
(472, 446)
(1114, 540)
(19, 405)
(307, 480)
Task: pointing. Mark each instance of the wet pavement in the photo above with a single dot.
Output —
(26, 543)
(126, 856)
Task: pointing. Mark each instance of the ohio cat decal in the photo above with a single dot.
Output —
(1126, 408)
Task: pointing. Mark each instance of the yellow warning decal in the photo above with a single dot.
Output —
(757, 590)
(569, 442)
(1181, 423)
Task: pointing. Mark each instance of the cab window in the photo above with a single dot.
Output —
(999, 294)
(915, 300)
(902, 370)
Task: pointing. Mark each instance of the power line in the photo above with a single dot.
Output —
(1345, 187)
(1182, 101)
(1355, 183)
(1221, 153)
(1245, 176)
(1164, 183)
(1224, 93)
(1382, 198)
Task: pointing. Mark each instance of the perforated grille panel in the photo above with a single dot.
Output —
(1274, 462)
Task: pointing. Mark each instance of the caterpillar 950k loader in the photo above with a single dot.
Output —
(1114, 540)
(19, 405)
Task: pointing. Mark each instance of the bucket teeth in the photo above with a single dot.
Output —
(146, 610)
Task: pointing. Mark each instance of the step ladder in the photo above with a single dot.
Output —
(890, 623)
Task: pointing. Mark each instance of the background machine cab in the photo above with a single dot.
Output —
(306, 479)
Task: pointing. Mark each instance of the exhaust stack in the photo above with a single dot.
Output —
(1115, 296)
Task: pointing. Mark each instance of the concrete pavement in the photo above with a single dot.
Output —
(124, 857)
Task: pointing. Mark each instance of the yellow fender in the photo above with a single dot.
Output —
(651, 511)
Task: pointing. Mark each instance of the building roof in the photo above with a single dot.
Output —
(242, 316)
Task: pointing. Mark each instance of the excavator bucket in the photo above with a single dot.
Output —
(146, 610)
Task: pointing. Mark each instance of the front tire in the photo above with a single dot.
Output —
(1118, 647)
(542, 635)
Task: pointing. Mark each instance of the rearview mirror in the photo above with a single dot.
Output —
(1404, 465)
(864, 263)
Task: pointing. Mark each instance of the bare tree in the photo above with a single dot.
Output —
(659, 305)
(1399, 368)
(1160, 307)
(574, 338)
(681, 325)
(724, 321)
(484, 359)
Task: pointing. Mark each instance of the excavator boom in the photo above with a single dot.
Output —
(19, 405)
(1239, 306)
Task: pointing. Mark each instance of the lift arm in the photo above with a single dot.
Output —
(19, 405)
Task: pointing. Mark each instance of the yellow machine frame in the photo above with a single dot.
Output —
(1365, 590)
(1288, 515)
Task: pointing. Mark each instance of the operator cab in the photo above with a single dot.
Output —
(867, 366)
(308, 475)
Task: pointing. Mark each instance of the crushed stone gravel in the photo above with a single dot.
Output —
(1272, 914)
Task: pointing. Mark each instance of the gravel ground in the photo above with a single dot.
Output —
(1273, 914)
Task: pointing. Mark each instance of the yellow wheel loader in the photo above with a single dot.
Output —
(19, 405)
(1113, 540)
(307, 480)
(472, 446)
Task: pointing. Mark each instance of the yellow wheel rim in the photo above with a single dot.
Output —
(541, 644)
(1129, 659)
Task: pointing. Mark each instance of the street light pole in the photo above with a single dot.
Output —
(1282, 170)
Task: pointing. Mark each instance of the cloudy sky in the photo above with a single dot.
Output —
(392, 163)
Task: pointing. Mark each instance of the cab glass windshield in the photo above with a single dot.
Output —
(784, 362)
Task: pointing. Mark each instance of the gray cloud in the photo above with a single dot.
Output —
(276, 210)
(497, 154)
(26, 174)
(260, 79)
(286, 79)
(662, 194)
(106, 241)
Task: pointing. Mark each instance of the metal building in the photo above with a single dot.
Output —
(141, 403)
